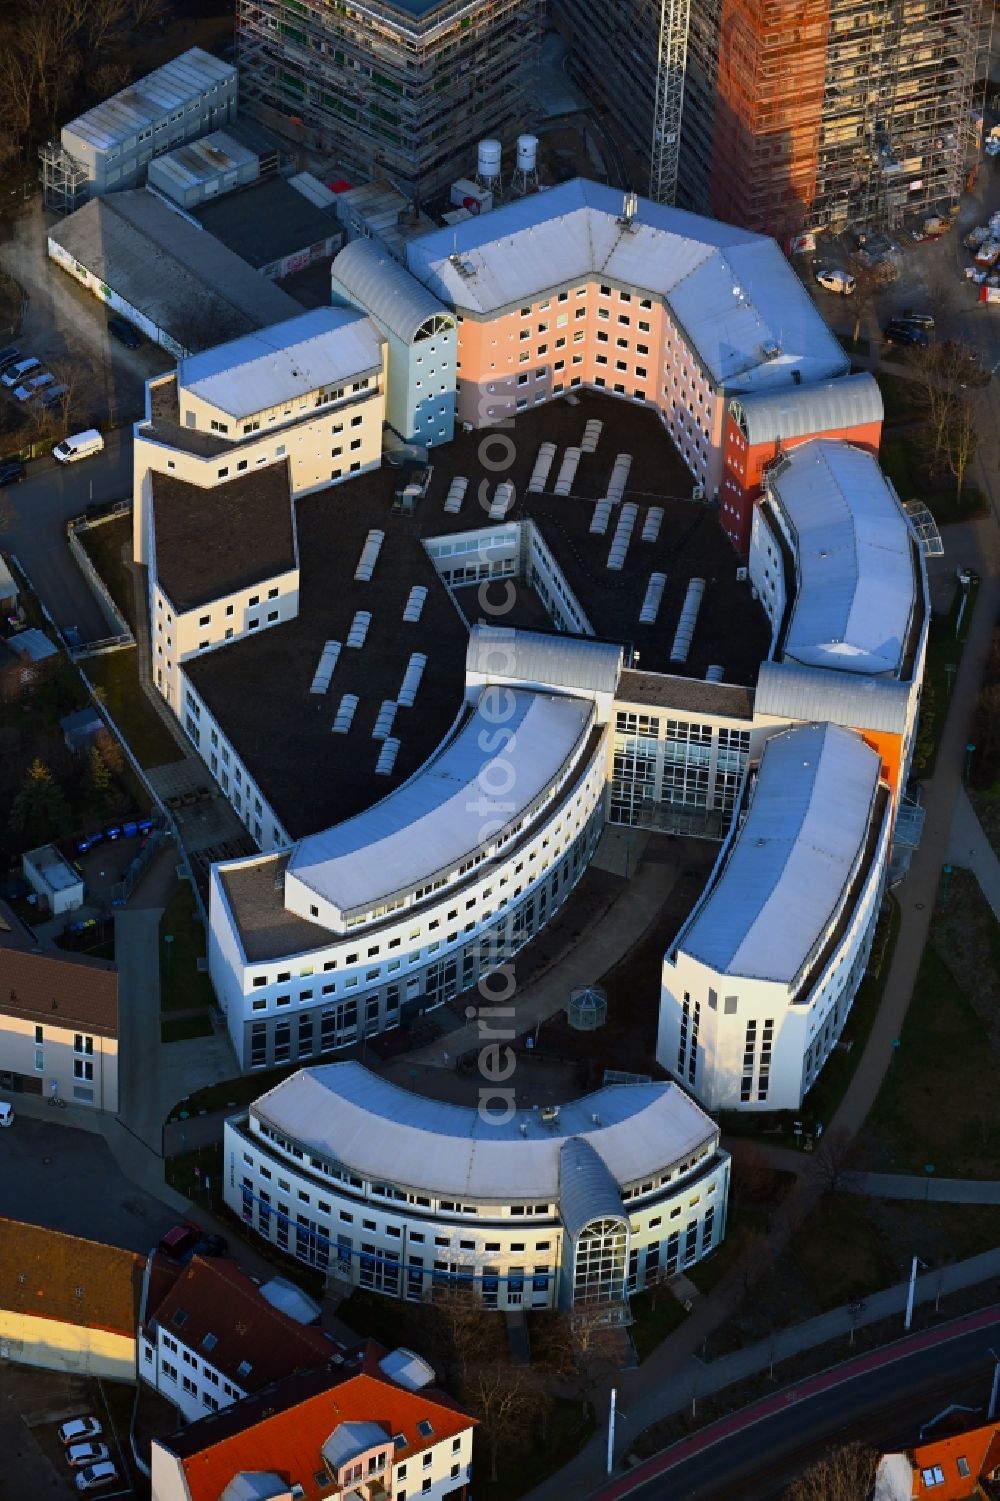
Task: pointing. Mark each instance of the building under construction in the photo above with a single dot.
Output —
(397, 91)
(794, 114)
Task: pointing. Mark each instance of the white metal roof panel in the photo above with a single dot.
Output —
(787, 691)
(169, 88)
(391, 1135)
(501, 654)
(857, 583)
(733, 291)
(797, 411)
(201, 161)
(385, 289)
(435, 821)
(790, 863)
(324, 347)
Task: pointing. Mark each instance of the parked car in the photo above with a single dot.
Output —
(906, 335)
(122, 330)
(12, 471)
(6, 1114)
(95, 1477)
(918, 319)
(33, 387)
(78, 1429)
(833, 279)
(212, 1245)
(14, 374)
(53, 394)
(179, 1241)
(78, 445)
(78, 1455)
(9, 356)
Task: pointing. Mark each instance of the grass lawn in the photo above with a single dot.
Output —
(901, 397)
(520, 1470)
(116, 679)
(182, 983)
(939, 1102)
(103, 545)
(944, 650)
(838, 1253)
(902, 461)
(652, 1324)
(180, 1028)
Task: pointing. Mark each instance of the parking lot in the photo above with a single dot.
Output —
(67, 1179)
(33, 1405)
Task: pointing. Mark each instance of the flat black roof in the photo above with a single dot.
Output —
(283, 733)
(215, 542)
(266, 221)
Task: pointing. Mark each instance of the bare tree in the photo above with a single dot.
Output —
(844, 1474)
(464, 1331)
(579, 1347)
(866, 282)
(961, 439)
(501, 1398)
(829, 1165)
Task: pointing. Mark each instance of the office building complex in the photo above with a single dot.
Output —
(579, 1204)
(792, 116)
(397, 90)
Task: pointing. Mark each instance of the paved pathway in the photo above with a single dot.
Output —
(920, 1186)
(969, 849)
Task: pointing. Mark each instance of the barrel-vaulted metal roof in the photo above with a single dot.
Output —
(815, 694)
(387, 1134)
(383, 288)
(821, 407)
(499, 654)
(854, 557)
(788, 869)
(587, 1191)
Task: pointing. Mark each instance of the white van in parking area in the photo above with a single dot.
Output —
(79, 446)
(6, 1114)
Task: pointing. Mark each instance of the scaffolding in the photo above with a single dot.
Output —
(64, 179)
(392, 94)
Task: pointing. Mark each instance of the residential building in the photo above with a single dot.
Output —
(956, 1467)
(788, 117)
(319, 1435)
(574, 288)
(383, 1189)
(177, 284)
(421, 338)
(26, 659)
(212, 1338)
(110, 146)
(68, 1304)
(58, 1025)
(760, 979)
(401, 91)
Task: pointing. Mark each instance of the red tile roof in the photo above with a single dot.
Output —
(62, 990)
(212, 1296)
(283, 1431)
(53, 1276)
(979, 1448)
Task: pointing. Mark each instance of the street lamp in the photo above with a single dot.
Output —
(912, 1289)
(928, 1169)
(611, 1430)
(168, 940)
(969, 752)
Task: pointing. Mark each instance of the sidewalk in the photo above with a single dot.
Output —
(969, 849)
(934, 1190)
(638, 1408)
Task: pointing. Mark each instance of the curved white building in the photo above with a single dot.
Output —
(383, 1189)
(759, 981)
(418, 897)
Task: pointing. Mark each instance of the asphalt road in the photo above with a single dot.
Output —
(882, 1405)
(32, 527)
(68, 1180)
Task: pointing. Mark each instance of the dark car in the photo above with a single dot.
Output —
(8, 355)
(907, 335)
(918, 319)
(123, 331)
(12, 471)
(212, 1245)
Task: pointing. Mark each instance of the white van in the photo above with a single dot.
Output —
(6, 1114)
(79, 446)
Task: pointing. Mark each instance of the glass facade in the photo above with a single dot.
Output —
(677, 775)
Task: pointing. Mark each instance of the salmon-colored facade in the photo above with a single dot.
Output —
(744, 463)
(592, 335)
